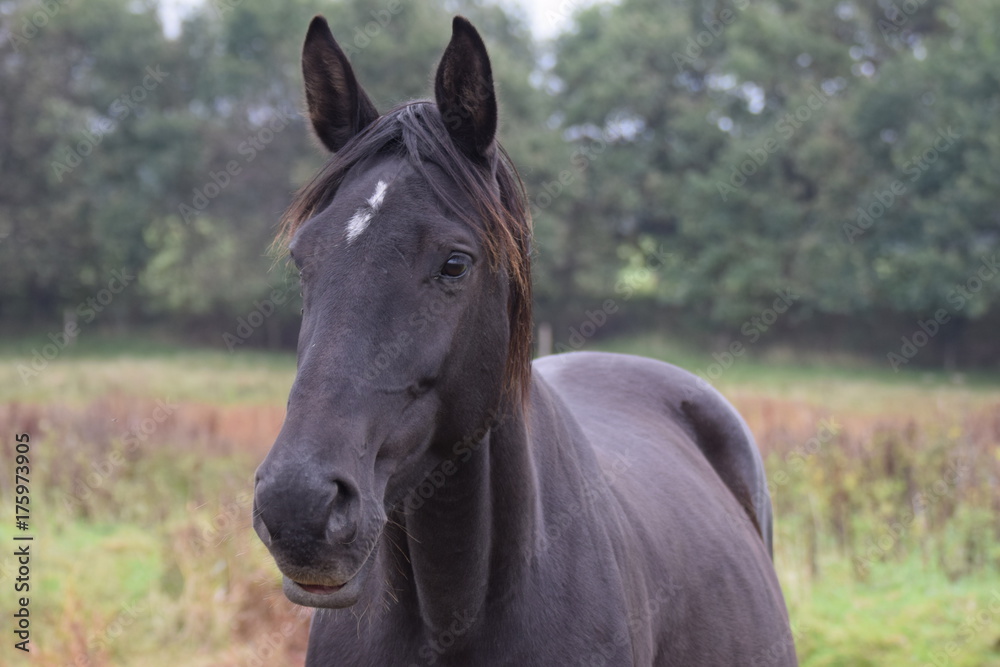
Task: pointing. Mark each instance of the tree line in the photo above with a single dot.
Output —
(688, 163)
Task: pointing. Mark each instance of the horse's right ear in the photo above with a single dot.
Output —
(338, 107)
(463, 88)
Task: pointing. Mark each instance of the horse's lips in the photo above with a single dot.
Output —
(320, 595)
(317, 589)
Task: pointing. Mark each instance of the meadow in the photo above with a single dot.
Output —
(885, 488)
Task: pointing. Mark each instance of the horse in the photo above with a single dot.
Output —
(439, 497)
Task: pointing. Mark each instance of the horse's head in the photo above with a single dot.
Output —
(412, 244)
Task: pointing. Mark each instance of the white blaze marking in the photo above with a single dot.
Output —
(375, 201)
(359, 221)
(357, 224)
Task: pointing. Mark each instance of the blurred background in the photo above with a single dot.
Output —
(797, 201)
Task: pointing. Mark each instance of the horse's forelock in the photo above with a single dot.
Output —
(502, 217)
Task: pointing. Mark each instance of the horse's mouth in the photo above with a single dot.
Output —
(318, 589)
(326, 595)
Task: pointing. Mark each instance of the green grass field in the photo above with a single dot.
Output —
(142, 454)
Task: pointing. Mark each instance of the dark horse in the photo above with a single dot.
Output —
(439, 497)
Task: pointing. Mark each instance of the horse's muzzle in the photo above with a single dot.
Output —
(312, 527)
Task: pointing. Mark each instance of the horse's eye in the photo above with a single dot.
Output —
(456, 266)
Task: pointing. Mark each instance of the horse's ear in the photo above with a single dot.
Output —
(338, 107)
(463, 88)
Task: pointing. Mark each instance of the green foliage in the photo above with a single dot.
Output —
(763, 145)
(758, 129)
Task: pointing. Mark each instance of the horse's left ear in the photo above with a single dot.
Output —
(463, 89)
(339, 107)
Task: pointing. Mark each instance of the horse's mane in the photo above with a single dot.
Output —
(501, 217)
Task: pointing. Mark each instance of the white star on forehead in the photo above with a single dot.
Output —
(359, 221)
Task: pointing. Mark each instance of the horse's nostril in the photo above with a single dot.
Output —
(313, 510)
(343, 494)
(343, 487)
(260, 526)
(342, 521)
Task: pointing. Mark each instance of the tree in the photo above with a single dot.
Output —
(745, 137)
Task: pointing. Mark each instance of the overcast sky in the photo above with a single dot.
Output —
(547, 17)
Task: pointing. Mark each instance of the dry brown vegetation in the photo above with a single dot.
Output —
(146, 510)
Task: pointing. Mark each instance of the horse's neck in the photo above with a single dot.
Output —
(475, 538)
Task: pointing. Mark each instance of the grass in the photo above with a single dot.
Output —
(786, 371)
(114, 365)
(144, 554)
(907, 614)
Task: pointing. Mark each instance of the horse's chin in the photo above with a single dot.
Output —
(323, 592)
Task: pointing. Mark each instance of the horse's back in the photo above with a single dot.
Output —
(690, 486)
(629, 405)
